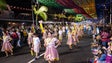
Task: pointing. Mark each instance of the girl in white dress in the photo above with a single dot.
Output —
(36, 44)
(60, 32)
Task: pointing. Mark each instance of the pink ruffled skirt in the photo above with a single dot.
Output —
(7, 47)
(51, 54)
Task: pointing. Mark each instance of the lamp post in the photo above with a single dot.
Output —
(35, 3)
(32, 12)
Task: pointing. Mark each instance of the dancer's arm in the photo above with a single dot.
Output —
(58, 43)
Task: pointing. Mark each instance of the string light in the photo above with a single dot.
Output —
(20, 8)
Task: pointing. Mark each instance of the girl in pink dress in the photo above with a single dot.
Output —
(7, 47)
(51, 53)
(71, 39)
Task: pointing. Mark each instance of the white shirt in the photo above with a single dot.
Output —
(36, 41)
(60, 32)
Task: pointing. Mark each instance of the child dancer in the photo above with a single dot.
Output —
(71, 39)
(60, 32)
(51, 53)
(36, 44)
(44, 34)
(30, 38)
(7, 47)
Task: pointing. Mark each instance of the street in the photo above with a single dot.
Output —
(79, 54)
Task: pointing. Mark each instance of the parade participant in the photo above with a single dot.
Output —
(66, 30)
(19, 38)
(55, 32)
(25, 35)
(105, 37)
(94, 33)
(30, 38)
(63, 30)
(102, 56)
(78, 31)
(15, 38)
(109, 53)
(51, 53)
(71, 39)
(76, 36)
(60, 32)
(45, 34)
(36, 45)
(7, 47)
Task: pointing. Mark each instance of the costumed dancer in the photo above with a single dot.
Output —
(7, 47)
(79, 32)
(55, 32)
(82, 32)
(30, 38)
(44, 34)
(71, 39)
(63, 30)
(76, 33)
(36, 44)
(19, 38)
(66, 30)
(76, 39)
(60, 32)
(51, 53)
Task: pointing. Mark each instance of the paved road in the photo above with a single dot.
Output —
(76, 55)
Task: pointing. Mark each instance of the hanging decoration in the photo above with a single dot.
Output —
(71, 17)
(60, 16)
(79, 17)
(51, 3)
(41, 12)
(88, 6)
(20, 8)
(70, 11)
(71, 4)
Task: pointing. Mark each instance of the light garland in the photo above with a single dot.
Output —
(20, 8)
